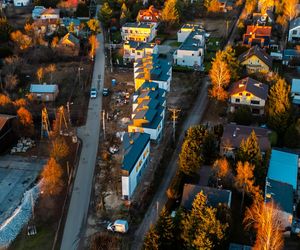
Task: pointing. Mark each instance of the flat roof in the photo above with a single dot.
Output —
(194, 40)
(283, 167)
(43, 88)
(295, 86)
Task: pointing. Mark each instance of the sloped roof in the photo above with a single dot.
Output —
(214, 196)
(259, 52)
(154, 13)
(50, 11)
(283, 167)
(250, 85)
(134, 145)
(281, 193)
(71, 37)
(259, 30)
(3, 119)
(43, 88)
(295, 23)
(295, 86)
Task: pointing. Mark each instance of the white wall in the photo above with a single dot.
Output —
(21, 2)
(189, 58)
(291, 35)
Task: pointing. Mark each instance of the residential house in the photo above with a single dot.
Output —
(283, 195)
(50, 14)
(256, 60)
(20, 3)
(215, 196)
(283, 167)
(136, 149)
(139, 32)
(260, 19)
(67, 21)
(257, 35)
(234, 134)
(45, 26)
(6, 131)
(295, 91)
(294, 30)
(37, 11)
(191, 52)
(148, 114)
(153, 68)
(149, 15)
(248, 92)
(137, 50)
(226, 5)
(290, 57)
(44, 92)
(69, 45)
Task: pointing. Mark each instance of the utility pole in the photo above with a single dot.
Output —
(174, 118)
(103, 123)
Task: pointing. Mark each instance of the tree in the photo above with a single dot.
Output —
(265, 218)
(125, 14)
(40, 74)
(26, 127)
(290, 9)
(151, 239)
(54, 42)
(93, 25)
(20, 102)
(51, 69)
(22, 41)
(221, 167)
(265, 5)
(220, 77)
(72, 27)
(278, 108)
(52, 183)
(4, 100)
(292, 135)
(60, 148)
(244, 180)
(190, 157)
(197, 133)
(214, 6)
(209, 148)
(105, 14)
(5, 29)
(12, 63)
(229, 56)
(250, 6)
(243, 115)
(93, 46)
(164, 228)
(200, 228)
(169, 14)
(11, 81)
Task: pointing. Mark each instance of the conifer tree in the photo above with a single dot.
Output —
(229, 56)
(197, 132)
(105, 14)
(151, 239)
(169, 13)
(164, 228)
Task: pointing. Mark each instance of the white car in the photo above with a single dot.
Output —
(93, 93)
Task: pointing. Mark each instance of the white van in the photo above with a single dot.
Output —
(120, 226)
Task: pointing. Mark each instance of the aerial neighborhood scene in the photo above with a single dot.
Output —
(150, 124)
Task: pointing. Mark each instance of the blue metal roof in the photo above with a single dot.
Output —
(283, 167)
(281, 193)
(43, 88)
(134, 145)
(295, 86)
(67, 21)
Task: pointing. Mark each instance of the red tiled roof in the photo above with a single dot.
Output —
(259, 30)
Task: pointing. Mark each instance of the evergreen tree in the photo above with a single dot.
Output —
(197, 132)
(229, 56)
(200, 228)
(105, 14)
(164, 228)
(125, 14)
(209, 148)
(169, 13)
(279, 107)
(151, 239)
(5, 29)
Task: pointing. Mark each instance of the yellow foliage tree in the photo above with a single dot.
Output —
(22, 41)
(170, 13)
(60, 148)
(40, 74)
(51, 69)
(290, 9)
(222, 168)
(265, 5)
(93, 46)
(52, 183)
(220, 78)
(54, 42)
(93, 25)
(214, 6)
(20, 102)
(25, 117)
(250, 6)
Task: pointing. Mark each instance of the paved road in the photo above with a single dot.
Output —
(89, 134)
(160, 197)
(242, 16)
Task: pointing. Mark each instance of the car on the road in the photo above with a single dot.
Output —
(105, 92)
(93, 93)
(119, 226)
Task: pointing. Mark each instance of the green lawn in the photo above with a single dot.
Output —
(213, 44)
(42, 240)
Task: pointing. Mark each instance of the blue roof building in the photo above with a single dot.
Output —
(136, 147)
(295, 91)
(44, 92)
(283, 167)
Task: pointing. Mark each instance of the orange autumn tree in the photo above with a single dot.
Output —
(21, 40)
(26, 127)
(4, 100)
(93, 46)
(290, 9)
(220, 78)
(60, 148)
(222, 168)
(265, 219)
(52, 183)
(214, 6)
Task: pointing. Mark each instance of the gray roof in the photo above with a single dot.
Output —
(192, 42)
(259, 52)
(139, 45)
(134, 145)
(294, 23)
(234, 134)
(43, 88)
(252, 86)
(281, 193)
(138, 25)
(214, 196)
(4, 118)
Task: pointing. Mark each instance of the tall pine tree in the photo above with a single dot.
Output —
(151, 239)
(164, 228)
(169, 13)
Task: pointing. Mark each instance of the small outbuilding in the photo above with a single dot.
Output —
(44, 92)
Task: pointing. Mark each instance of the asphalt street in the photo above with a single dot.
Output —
(160, 198)
(89, 134)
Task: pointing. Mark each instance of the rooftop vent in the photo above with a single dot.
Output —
(131, 142)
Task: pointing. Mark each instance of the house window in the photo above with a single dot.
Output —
(183, 61)
(247, 94)
(240, 94)
(237, 100)
(254, 102)
(294, 32)
(193, 54)
(138, 53)
(126, 31)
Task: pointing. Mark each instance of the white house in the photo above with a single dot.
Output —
(295, 91)
(139, 32)
(21, 2)
(135, 50)
(191, 52)
(294, 30)
(50, 14)
(136, 148)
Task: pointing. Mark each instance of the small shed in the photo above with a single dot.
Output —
(44, 92)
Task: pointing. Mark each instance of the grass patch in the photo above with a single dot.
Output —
(175, 44)
(214, 44)
(42, 240)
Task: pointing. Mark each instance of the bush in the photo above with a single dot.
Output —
(243, 115)
(178, 68)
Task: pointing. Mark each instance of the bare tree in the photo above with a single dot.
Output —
(11, 81)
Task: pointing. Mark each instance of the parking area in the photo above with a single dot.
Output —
(17, 174)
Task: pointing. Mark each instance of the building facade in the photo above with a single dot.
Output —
(139, 32)
(137, 50)
(44, 92)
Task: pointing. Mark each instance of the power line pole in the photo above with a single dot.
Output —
(174, 118)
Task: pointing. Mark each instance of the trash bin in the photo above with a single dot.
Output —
(113, 82)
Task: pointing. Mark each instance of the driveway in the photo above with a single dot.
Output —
(160, 197)
(89, 134)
